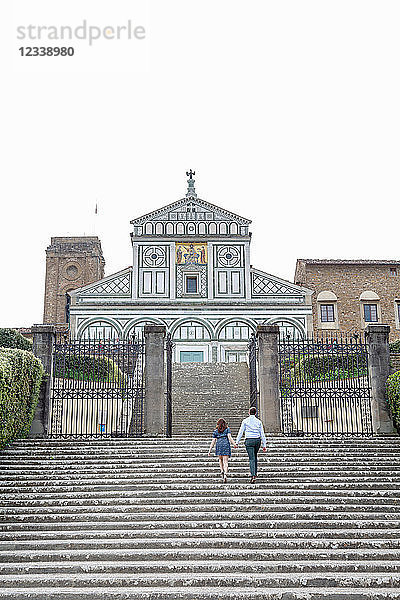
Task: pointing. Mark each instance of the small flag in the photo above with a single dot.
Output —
(95, 210)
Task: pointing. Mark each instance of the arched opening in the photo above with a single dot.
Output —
(136, 330)
(288, 330)
(99, 330)
(191, 330)
(235, 331)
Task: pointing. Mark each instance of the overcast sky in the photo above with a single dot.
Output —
(288, 111)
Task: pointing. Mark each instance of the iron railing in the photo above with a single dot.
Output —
(324, 386)
(97, 388)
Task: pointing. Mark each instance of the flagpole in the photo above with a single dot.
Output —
(96, 212)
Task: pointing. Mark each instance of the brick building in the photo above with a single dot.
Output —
(71, 262)
(350, 294)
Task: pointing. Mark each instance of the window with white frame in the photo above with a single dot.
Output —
(191, 330)
(397, 309)
(327, 310)
(370, 313)
(235, 331)
(370, 307)
(327, 313)
(191, 284)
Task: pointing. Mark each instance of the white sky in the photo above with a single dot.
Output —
(288, 111)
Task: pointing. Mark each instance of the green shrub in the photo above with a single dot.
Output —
(393, 396)
(331, 366)
(395, 346)
(20, 378)
(10, 338)
(87, 368)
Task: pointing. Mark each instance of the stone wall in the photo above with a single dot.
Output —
(71, 262)
(348, 280)
(204, 392)
(395, 361)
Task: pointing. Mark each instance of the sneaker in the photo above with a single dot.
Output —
(225, 477)
(253, 480)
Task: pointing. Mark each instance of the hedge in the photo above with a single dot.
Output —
(335, 366)
(395, 346)
(20, 378)
(87, 368)
(393, 396)
(10, 338)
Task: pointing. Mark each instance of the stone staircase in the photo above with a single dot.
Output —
(204, 392)
(150, 519)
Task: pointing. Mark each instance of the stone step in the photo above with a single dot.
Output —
(199, 566)
(201, 462)
(228, 579)
(270, 509)
(132, 542)
(158, 474)
(223, 521)
(38, 466)
(171, 554)
(267, 480)
(189, 485)
(229, 492)
(127, 444)
(281, 538)
(242, 501)
(199, 593)
(200, 452)
(278, 443)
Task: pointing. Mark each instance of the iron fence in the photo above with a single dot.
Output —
(97, 388)
(324, 386)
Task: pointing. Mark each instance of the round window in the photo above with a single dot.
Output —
(72, 271)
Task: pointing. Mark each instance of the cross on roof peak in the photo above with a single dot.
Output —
(191, 192)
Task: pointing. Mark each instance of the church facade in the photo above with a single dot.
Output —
(191, 272)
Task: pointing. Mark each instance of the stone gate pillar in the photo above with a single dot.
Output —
(43, 347)
(268, 377)
(377, 337)
(154, 406)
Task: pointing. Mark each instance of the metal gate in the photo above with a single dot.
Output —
(97, 388)
(253, 372)
(324, 386)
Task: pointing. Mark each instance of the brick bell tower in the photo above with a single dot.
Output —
(71, 262)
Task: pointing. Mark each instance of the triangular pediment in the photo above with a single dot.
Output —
(116, 285)
(208, 212)
(263, 284)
